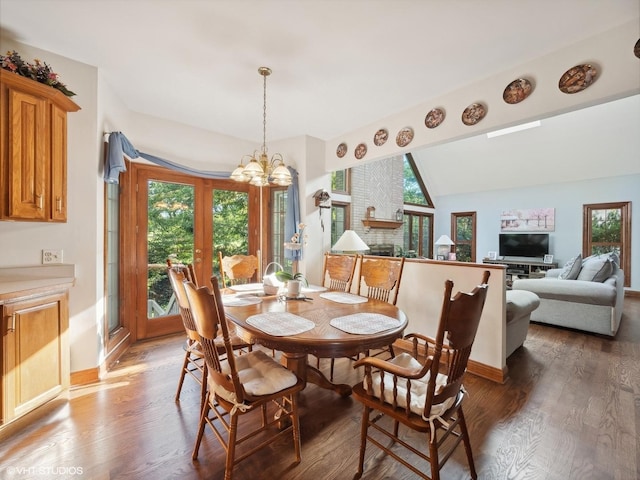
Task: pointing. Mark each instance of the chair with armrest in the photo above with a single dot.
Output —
(423, 390)
(241, 385)
(237, 269)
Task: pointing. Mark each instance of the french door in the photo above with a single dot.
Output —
(174, 217)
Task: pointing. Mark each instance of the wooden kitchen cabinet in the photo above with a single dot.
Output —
(33, 156)
(35, 353)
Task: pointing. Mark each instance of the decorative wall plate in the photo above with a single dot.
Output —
(473, 114)
(517, 91)
(381, 136)
(636, 49)
(404, 137)
(361, 151)
(434, 118)
(341, 151)
(577, 78)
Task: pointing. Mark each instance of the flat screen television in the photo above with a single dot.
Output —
(524, 244)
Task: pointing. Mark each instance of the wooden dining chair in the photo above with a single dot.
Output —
(193, 363)
(237, 269)
(337, 274)
(423, 389)
(241, 385)
(338, 270)
(380, 277)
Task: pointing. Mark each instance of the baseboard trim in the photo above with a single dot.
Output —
(485, 371)
(632, 293)
(116, 352)
(476, 368)
(82, 377)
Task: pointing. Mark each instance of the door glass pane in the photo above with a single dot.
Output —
(426, 236)
(169, 236)
(230, 224)
(112, 273)
(279, 204)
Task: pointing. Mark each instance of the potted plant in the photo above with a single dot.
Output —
(284, 276)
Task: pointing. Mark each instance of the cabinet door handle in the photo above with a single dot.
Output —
(39, 199)
(12, 328)
(59, 204)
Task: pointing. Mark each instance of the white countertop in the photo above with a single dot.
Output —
(17, 282)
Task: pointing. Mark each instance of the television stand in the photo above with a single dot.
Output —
(523, 267)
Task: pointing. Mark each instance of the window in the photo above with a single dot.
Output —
(607, 228)
(463, 231)
(112, 259)
(418, 234)
(278, 212)
(415, 192)
(340, 214)
(341, 181)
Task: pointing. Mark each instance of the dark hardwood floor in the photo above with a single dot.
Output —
(570, 410)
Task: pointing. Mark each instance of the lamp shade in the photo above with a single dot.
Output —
(444, 240)
(350, 242)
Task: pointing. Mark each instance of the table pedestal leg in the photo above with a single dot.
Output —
(298, 364)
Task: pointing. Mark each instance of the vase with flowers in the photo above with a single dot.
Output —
(297, 239)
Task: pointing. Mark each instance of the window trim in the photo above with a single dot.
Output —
(454, 231)
(408, 221)
(625, 234)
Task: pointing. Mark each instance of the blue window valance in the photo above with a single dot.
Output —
(119, 145)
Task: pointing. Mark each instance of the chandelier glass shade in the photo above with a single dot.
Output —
(260, 169)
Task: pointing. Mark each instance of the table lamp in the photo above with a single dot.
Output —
(444, 244)
(350, 242)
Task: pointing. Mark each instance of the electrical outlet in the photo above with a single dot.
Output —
(51, 256)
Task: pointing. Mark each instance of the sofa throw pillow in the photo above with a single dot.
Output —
(596, 268)
(571, 269)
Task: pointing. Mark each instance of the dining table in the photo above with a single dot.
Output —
(326, 324)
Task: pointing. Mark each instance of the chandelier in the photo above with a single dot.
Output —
(261, 170)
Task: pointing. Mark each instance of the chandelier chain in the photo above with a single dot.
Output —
(264, 113)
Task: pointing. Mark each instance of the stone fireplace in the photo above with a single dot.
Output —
(380, 185)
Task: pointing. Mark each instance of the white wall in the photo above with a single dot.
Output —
(567, 199)
(421, 294)
(618, 77)
(80, 238)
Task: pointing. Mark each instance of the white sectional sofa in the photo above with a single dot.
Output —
(586, 295)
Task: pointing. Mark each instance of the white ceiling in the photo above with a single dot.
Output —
(337, 64)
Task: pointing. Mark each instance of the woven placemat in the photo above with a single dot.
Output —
(343, 297)
(364, 323)
(240, 300)
(280, 324)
